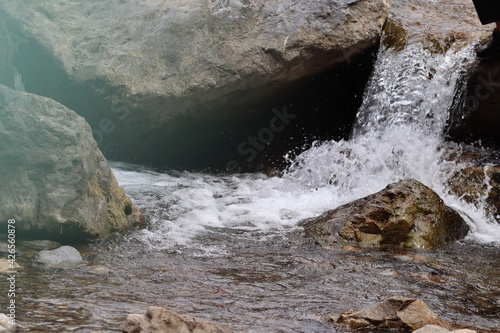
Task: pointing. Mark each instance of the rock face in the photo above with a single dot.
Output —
(407, 213)
(396, 312)
(161, 73)
(64, 255)
(159, 320)
(54, 178)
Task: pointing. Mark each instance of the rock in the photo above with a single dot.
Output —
(6, 324)
(409, 22)
(64, 255)
(480, 185)
(162, 75)
(6, 266)
(54, 178)
(396, 312)
(406, 213)
(159, 320)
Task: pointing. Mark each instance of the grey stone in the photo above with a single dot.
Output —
(54, 178)
(64, 255)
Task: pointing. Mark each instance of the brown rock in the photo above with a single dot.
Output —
(159, 320)
(407, 213)
(396, 312)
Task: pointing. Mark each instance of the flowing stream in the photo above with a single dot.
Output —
(227, 248)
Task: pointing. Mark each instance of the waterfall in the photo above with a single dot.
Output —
(398, 134)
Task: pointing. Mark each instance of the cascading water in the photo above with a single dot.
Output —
(398, 134)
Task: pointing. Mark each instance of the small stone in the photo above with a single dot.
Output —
(6, 266)
(63, 255)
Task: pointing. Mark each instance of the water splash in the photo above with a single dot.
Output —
(398, 135)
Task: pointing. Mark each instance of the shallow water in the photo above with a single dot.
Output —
(258, 282)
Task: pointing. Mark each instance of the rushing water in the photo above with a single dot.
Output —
(227, 247)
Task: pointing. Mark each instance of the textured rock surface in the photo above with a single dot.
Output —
(407, 213)
(54, 178)
(159, 320)
(164, 71)
(64, 255)
(435, 24)
(477, 184)
(396, 312)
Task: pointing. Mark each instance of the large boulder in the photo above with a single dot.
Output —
(170, 80)
(54, 178)
(407, 213)
(159, 320)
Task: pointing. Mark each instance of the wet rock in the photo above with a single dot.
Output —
(54, 178)
(421, 21)
(479, 184)
(159, 320)
(396, 312)
(62, 256)
(6, 266)
(5, 324)
(157, 68)
(407, 213)
(439, 329)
